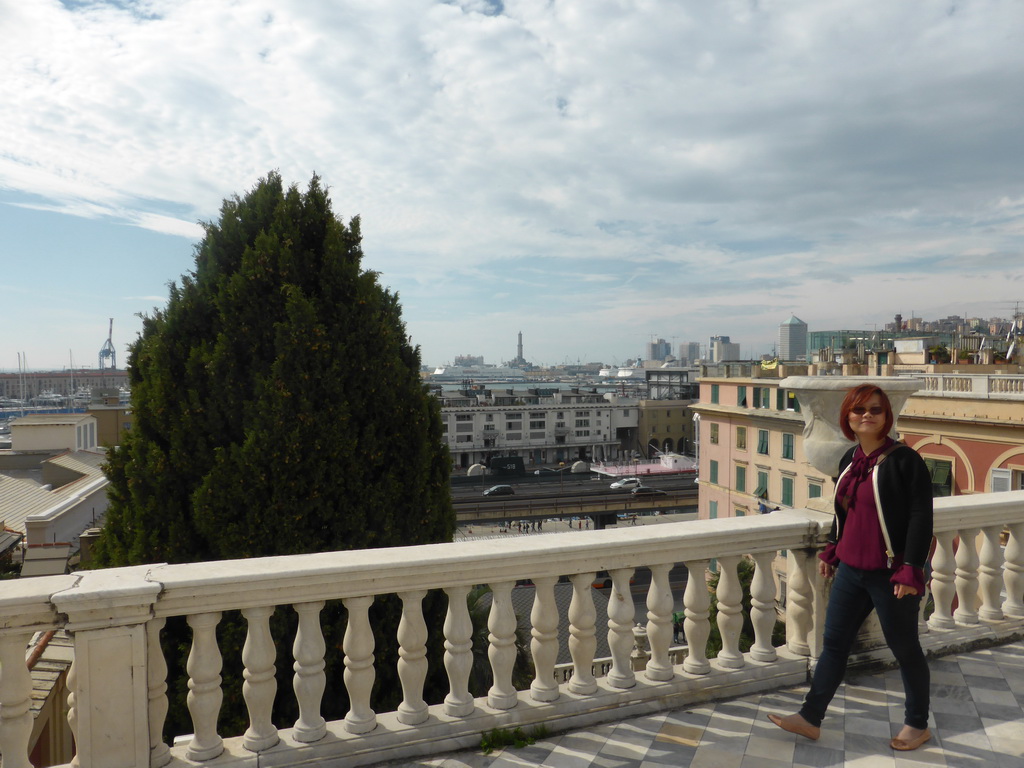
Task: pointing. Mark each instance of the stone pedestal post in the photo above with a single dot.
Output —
(107, 614)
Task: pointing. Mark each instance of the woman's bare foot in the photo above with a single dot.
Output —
(796, 724)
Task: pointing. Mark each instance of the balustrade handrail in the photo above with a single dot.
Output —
(978, 510)
(117, 614)
(235, 584)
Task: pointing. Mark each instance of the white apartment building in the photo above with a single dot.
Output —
(544, 428)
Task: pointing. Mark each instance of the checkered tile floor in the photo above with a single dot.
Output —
(977, 722)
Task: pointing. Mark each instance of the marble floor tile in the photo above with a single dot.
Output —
(977, 722)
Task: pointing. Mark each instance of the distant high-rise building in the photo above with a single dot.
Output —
(658, 350)
(793, 339)
(722, 349)
(689, 352)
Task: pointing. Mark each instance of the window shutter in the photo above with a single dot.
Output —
(1000, 480)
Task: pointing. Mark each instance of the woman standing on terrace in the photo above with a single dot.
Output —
(877, 550)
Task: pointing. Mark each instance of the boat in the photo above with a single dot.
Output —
(477, 373)
(49, 399)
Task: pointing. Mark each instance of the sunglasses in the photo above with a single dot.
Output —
(874, 410)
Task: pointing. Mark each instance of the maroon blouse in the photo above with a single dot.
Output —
(861, 544)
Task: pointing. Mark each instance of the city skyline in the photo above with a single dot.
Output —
(594, 175)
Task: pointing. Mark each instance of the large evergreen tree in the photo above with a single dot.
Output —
(277, 408)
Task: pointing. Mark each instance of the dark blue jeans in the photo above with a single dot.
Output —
(854, 595)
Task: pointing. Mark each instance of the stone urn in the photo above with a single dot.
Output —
(820, 398)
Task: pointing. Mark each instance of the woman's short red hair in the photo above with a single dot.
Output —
(858, 396)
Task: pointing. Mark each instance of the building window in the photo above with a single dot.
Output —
(582, 422)
(714, 394)
(762, 442)
(537, 425)
(814, 490)
(582, 433)
(792, 404)
(463, 417)
(788, 441)
(741, 438)
(741, 479)
(713, 510)
(713, 471)
(766, 397)
(941, 471)
(762, 485)
(713, 434)
(787, 491)
(741, 397)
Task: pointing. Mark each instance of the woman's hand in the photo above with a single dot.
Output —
(826, 570)
(902, 590)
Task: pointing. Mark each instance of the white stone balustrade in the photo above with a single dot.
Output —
(120, 686)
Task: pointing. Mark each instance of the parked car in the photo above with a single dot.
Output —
(500, 490)
(626, 482)
(644, 490)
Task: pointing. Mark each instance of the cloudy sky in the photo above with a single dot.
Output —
(590, 172)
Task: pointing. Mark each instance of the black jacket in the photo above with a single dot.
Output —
(903, 493)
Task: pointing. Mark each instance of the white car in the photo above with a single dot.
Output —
(626, 482)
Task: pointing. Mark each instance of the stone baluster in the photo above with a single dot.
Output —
(358, 645)
(1013, 572)
(412, 658)
(544, 639)
(15, 700)
(762, 608)
(659, 624)
(696, 626)
(260, 684)
(943, 576)
(204, 691)
(967, 578)
(730, 613)
(990, 574)
(159, 752)
(501, 649)
(582, 634)
(621, 612)
(309, 681)
(72, 709)
(458, 653)
(800, 603)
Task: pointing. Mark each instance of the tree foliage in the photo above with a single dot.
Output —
(277, 406)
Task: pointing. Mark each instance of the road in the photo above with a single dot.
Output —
(571, 497)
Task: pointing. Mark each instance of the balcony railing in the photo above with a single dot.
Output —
(119, 680)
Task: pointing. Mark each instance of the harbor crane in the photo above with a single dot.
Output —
(108, 355)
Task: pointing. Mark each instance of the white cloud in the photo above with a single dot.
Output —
(707, 155)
